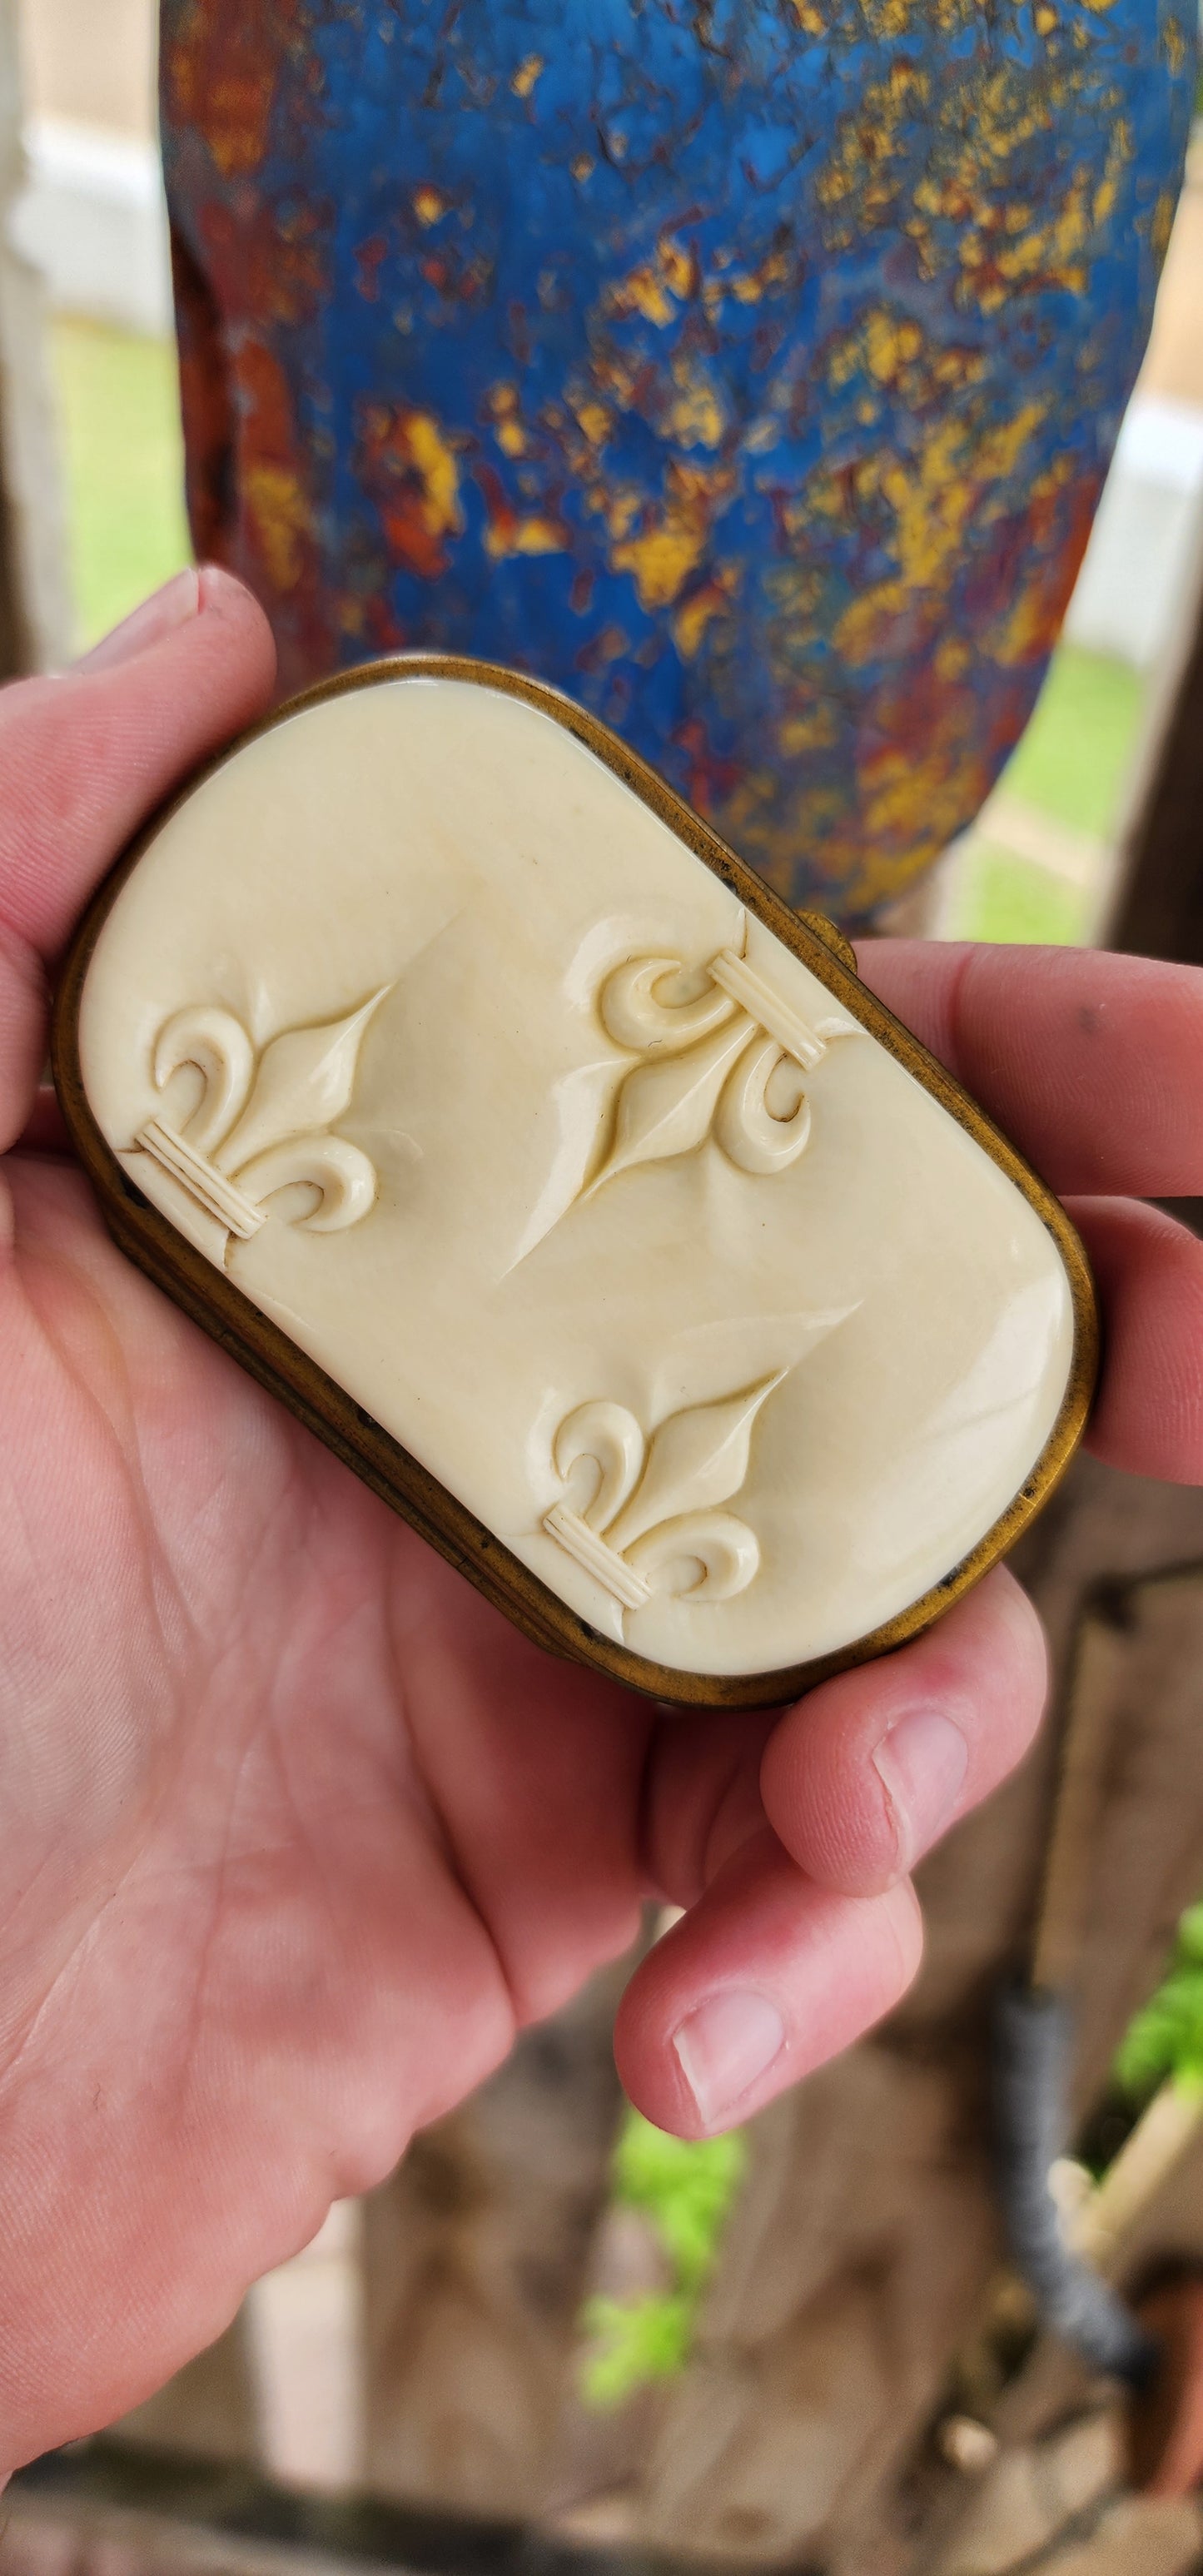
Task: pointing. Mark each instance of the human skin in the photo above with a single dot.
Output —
(297, 1832)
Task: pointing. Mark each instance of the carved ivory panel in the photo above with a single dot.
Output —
(421, 1029)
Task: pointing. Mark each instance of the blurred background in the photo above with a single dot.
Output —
(311, 2362)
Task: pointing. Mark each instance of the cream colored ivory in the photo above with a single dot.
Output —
(420, 1024)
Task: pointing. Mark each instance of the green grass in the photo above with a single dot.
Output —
(1073, 759)
(122, 453)
(1071, 764)
(1002, 897)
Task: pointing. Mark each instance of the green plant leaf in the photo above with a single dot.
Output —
(636, 2341)
(1166, 2038)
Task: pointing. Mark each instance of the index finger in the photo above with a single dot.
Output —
(1091, 1063)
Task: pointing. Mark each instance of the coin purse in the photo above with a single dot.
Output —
(437, 1060)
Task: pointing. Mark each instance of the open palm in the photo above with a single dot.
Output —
(296, 1831)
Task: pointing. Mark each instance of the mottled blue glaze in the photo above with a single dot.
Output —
(748, 367)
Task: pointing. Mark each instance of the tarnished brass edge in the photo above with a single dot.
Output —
(831, 936)
(221, 1309)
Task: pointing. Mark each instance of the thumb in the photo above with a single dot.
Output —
(86, 756)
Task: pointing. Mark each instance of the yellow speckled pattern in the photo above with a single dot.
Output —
(748, 367)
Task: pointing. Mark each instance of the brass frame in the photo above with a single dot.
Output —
(212, 1300)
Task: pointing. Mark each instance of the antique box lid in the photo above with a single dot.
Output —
(438, 1060)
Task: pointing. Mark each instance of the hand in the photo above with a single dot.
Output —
(296, 1831)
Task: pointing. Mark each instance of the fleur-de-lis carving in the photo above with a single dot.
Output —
(653, 1518)
(263, 1120)
(714, 1064)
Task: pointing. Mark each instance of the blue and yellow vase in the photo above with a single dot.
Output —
(748, 367)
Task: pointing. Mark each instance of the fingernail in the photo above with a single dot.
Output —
(723, 2047)
(172, 606)
(921, 1764)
